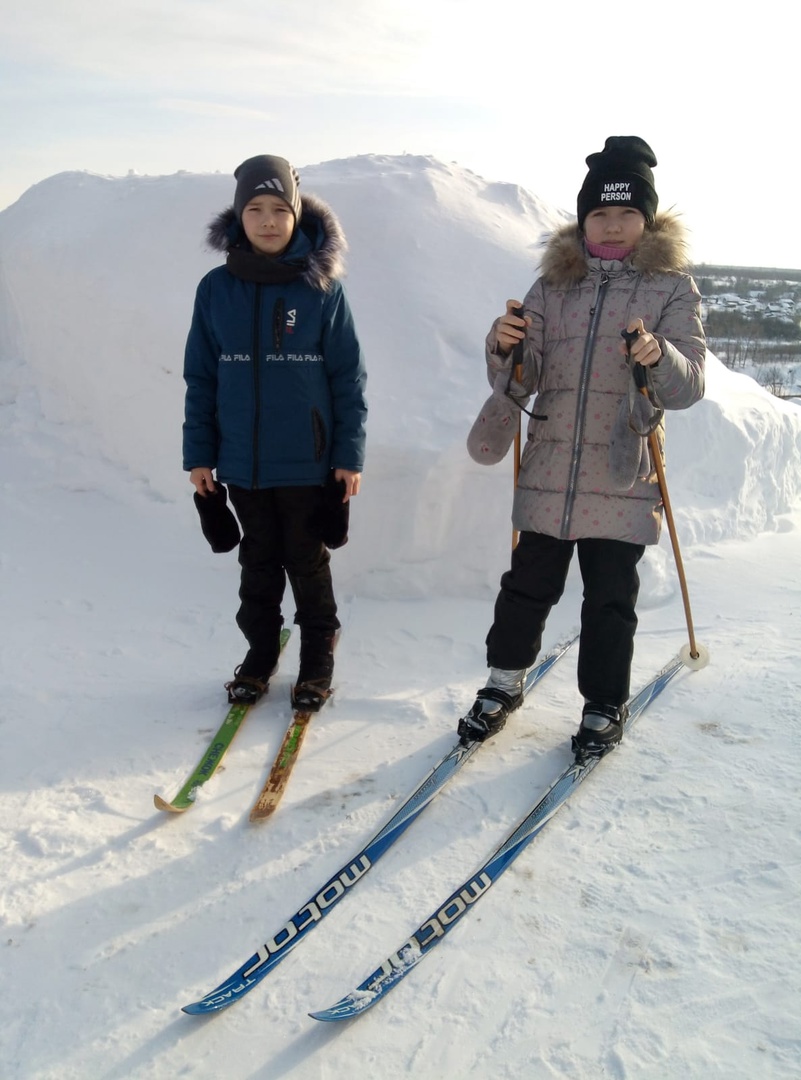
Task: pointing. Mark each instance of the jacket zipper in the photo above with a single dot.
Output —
(278, 324)
(256, 383)
(581, 404)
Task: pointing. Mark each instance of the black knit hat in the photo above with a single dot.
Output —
(266, 175)
(620, 175)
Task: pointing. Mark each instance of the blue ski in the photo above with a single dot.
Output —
(447, 915)
(320, 904)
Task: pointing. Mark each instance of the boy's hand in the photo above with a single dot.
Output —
(203, 481)
(645, 350)
(510, 329)
(352, 480)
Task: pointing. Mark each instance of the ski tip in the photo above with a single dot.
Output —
(171, 808)
(212, 1003)
(199, 1008)
(346, 1008)
(324, 1015)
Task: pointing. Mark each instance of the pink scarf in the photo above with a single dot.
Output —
(602, 251)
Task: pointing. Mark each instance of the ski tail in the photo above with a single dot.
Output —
(378, 984)
(542, 667)
(654, 688)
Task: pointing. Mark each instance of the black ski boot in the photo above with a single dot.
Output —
(502, 695)
(601, 729)
(252, 678)
(313, 687)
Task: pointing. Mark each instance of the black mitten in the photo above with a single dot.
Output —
(217, 520)
(329, 522)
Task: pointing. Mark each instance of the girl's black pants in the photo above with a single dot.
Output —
(536, 581)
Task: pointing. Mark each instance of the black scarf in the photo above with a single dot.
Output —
(263, 269)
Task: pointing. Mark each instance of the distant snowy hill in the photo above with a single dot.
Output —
(98, 279)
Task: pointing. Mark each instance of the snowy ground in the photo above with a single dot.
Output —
(649, 932)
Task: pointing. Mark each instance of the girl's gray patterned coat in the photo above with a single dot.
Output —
(568, 486)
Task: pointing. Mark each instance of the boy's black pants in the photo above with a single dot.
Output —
(277, 544)
(536, 581)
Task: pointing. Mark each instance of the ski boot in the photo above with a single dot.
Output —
(310, 696)
(502, 695)
(250, 683)
(313, 687)
(600, 731)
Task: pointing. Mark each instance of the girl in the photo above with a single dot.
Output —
(586, 481)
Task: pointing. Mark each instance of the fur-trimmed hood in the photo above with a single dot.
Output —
(662, 249)
(316, 250)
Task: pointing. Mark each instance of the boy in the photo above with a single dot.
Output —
(275, 403)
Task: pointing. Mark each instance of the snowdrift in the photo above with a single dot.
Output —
(96, 286)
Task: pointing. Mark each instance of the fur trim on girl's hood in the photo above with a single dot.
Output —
(662, 249)
(318, 244)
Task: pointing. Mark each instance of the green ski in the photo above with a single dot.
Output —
(213, 756)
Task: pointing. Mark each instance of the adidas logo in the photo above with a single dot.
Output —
(275, 185)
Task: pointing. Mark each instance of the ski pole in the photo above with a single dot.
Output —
(517, 359)
(641, 382)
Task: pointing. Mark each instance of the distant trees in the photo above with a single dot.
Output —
(773, 329)
(734, 336)
(773, 378)
(753, 320)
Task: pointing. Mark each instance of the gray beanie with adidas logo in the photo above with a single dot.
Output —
(266, 175)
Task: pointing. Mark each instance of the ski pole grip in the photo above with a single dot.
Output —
(640, 378)
(637, 370)
(517, 351)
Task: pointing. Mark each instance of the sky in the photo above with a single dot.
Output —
(515, 91)
(649, 933)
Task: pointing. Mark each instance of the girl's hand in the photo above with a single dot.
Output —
(646, 349)
(203, 481)
(510, 329)
(352, 480)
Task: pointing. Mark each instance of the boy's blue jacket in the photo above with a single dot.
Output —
(274, 374)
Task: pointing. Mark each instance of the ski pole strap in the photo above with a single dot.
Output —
(517, 362)
(641, 425)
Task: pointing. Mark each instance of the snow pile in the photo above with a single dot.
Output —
(98, 278)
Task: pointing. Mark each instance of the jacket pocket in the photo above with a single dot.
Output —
(319, 434)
